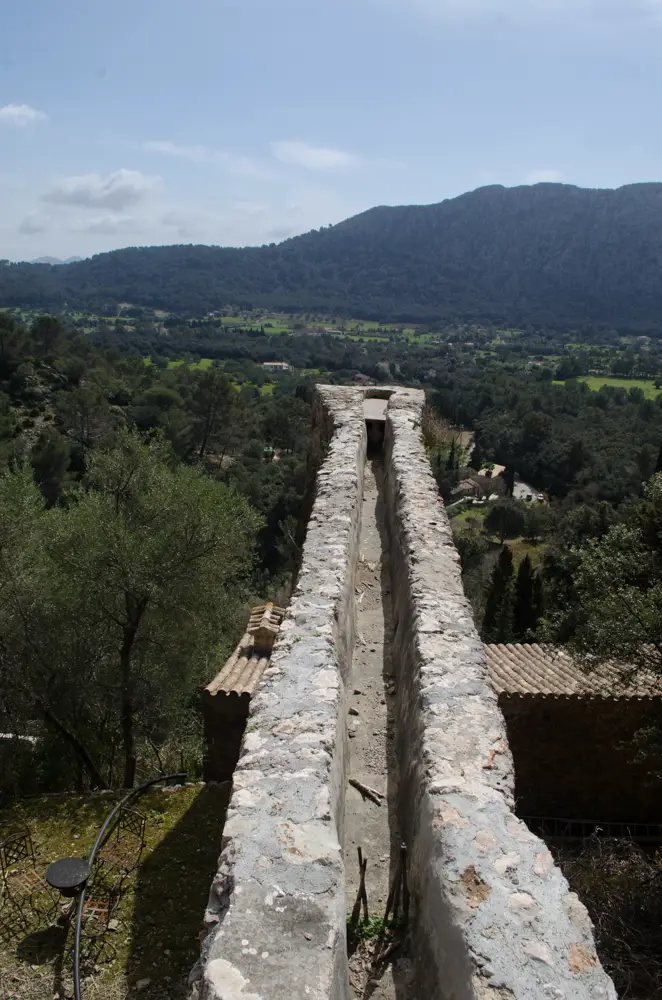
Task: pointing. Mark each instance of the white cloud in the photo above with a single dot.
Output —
(301, 154)
(197, 154)
(107, 225)
(116, 192)
(545, 177)
(20, 115)
(34, 222)
(233, 163)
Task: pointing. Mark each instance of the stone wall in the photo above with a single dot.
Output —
(275, 922)
(576, 758)
(493, 918)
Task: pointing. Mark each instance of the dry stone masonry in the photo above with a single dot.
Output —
(492, 918)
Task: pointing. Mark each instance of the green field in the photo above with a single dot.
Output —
(596, 382)
(202, 364)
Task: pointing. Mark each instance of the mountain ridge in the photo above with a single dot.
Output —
(547, 253)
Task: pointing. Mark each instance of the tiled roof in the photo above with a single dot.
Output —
(547, 671)
(243, 672)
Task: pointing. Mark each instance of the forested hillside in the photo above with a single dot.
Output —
(142, 512)
(551, 254)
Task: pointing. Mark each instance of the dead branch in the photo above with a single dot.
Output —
(367, 792)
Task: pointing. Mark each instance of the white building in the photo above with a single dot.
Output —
(276, 366)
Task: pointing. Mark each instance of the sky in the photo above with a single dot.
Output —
(236, 122)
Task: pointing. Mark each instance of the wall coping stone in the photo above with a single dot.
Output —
(276, 917)
(494, 917)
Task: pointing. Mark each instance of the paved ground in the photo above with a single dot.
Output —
(372, 762)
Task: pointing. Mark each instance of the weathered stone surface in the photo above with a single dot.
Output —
(276, 913)
(493, 919)
(492, 915)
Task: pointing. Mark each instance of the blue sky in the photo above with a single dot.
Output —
(234, 122)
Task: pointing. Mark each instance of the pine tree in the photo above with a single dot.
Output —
(524, 612)
(497, 622)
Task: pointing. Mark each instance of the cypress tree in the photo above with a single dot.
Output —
(450, 464)
(538, 595)
(509, 479)
(524, 611)
(476, 461)
(497, 622)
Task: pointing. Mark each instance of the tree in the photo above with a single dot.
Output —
(505, 519)
(658, 464)
(536, 522)
(508, 476)
(84, 414)
(497, 621)
(12, 344)
(619, 589)
(524, 609)
(50, 461)
(646, 461)
(212, 403)
(47, 332)
(476, 460)
(450, 461)
(538, 596)
(135, 583)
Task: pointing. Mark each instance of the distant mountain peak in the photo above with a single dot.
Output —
(549, 254)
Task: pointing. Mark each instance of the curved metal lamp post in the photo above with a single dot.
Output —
(70, 875)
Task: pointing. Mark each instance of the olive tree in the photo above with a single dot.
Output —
(619, 589)
(133, 591)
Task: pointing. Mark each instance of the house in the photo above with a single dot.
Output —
(466, 488)
(574, 736)
(276, 366)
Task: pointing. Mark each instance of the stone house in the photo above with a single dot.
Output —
(576, 737)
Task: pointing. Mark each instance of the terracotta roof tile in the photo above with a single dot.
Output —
(244, 670)
(548, 671)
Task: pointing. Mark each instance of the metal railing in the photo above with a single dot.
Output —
(98, 843)
(581, 829)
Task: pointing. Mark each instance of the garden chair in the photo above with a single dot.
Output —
(23, 882)
(102, 898)
(125, 845)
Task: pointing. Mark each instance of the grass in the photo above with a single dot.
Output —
(161, 911)
(200, 365)
(596, 382)
(373, 928)
(521, 548)
(474, 518)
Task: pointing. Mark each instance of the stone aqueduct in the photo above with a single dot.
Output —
(492, 918)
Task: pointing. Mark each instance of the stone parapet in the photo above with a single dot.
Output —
(493, 918)
(275, 921)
